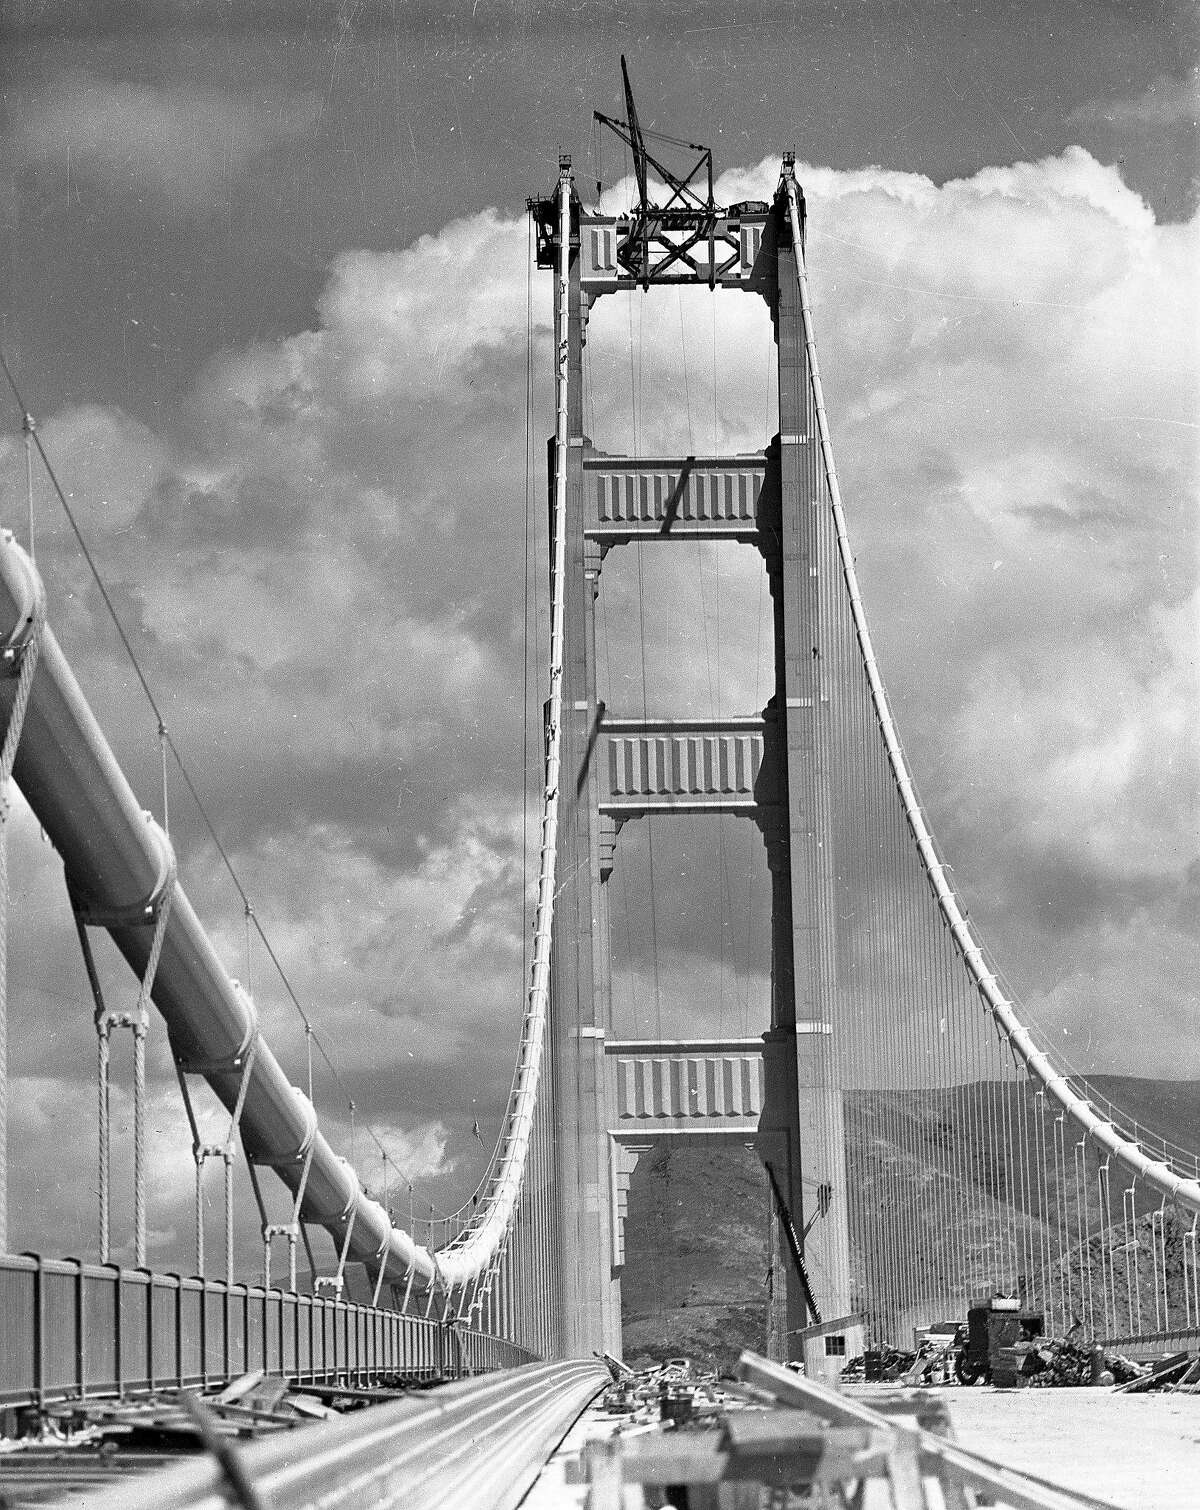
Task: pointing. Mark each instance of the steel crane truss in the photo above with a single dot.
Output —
(684, 238)
(717, 248)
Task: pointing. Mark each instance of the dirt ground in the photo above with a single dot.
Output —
(1139, 1452)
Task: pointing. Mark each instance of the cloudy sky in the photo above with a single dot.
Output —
(268, 299)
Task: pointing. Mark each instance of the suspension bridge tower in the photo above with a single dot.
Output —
(780, 1094)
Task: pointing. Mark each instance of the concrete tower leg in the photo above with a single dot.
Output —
(803, 698)
(777, 1144)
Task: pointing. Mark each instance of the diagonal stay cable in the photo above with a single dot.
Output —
(183, 770)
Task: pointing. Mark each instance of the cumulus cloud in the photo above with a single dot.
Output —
(184, 143)
(1154, 135)
(320, 557)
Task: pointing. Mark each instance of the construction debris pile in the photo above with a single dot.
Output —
(1058, 1361)
(884, 1364)
(249, 1406)
(675, 1425)
(1046, 1363)
(1002, 1343)
(771, 1437)
(1179, 1371)
(675, 1391)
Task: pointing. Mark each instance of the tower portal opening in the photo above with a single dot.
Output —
(684, 632)
(690, 910)
(698, 1278)
(680, 371)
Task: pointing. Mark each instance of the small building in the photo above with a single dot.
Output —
(829, 1345)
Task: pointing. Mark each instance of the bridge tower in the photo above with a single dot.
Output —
(779, 1093)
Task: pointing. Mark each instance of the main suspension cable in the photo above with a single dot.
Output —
(167, 741)
(1165, 1178)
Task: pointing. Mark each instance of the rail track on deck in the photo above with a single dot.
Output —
(472, 1442)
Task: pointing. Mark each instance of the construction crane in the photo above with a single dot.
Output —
(686, 210)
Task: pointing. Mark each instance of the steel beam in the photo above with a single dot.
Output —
(685, 766)
(698, 1089)
(730, 257)
(679, 498)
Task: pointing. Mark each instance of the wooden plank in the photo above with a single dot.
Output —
(240, 1386)
(1162, 1371)
(268, 1393)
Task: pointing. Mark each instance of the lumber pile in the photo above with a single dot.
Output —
(1179, 1371)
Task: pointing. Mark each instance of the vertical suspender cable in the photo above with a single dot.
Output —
(1063, 1223)
(1162, 1256)
(163, 738)
(1008, 1143)
(141, 1027)
(26, 657)
(1038, 1115)
(1107, 1249)
(1132, 1277)
(1086, 1282)
(1017, 1164)
(28, 426)
(1165, 1178)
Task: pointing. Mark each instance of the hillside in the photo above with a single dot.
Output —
(695, 1279)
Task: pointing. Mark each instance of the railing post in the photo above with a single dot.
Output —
(118, 1349)
(149, 1293)
(80, 1330)
(203, 1332)
(178, 1278)
(39, 1329)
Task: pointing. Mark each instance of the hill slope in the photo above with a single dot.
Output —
(695, 1280)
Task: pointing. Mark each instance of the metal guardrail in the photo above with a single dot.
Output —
(1155, 1342)
(73, 1330)
(477, 1444)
